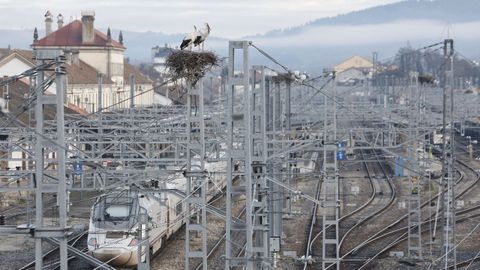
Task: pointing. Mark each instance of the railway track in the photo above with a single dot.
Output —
(240, 247)
(313, 221)
(382, 233)
(393, 238)
(216, 246)
(50, 258)
(15, 212)
(360, 217)
(403, 237)
(376, 197)
(386, 231)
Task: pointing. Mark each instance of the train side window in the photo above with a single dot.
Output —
(179, 209)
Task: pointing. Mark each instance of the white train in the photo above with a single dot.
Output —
(114, 217)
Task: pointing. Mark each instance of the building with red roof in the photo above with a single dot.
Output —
(91, 53)
(93, 47)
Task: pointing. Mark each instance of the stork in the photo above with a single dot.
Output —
(189, 39)
(202, 36)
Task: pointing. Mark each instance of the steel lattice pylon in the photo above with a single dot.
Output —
(448, 166)
(43, 176)
(197, 184)
(414, 205)
(246, 158)
(330, 189)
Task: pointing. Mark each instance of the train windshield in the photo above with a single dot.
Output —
(116, 211)
(120, 212)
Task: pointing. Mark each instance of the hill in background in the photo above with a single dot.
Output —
(327, 41)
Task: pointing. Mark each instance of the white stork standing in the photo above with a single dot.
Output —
(189, 39)
(202, 36)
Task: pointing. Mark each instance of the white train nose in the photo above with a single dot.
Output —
(116, 256)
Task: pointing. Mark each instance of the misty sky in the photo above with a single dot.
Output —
(228, 18)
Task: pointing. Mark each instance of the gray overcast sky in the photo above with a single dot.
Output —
(228, 18)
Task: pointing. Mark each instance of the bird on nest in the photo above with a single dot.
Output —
(196, 38)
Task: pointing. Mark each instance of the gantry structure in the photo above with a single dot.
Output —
(260, 126)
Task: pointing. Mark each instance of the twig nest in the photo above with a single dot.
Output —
(191, 66)
(426, 79)
(284, 77)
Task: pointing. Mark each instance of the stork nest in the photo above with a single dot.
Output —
(283, 77)
(426, 79)
(191, 66)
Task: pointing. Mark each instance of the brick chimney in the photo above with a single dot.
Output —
(88, 32)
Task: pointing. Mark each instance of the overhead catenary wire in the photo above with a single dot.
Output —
(270, 57)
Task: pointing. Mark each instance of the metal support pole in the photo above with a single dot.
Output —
(237, 147)
(448, 165)
(259, 159)
(39, 165)
(246, 150)
(132, 91)
(330, 189)
(414, 205)
(57, 188)
(278, 191)
(288, 128)
(143, 247)
(197, 184)
(60, 82)
(100, 92)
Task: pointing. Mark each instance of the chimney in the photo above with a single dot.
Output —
(88, 32)
(48, 23)
(60, 21)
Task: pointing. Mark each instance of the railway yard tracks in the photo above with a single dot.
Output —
(365, 236)
(361, 245)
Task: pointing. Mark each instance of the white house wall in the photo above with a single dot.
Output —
(86, 96)
(95, 58)
(116, 66)
(13, 67)
(98, 59)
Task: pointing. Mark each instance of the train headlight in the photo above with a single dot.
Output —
(92, 242)
(133, 242)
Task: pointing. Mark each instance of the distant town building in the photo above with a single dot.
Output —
(159, 57)
(353, 76)
(354, 70)
(17, 95)
(92, 54)
(15, 61)
(356, 61)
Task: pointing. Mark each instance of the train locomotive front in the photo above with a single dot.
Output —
(114, 224)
